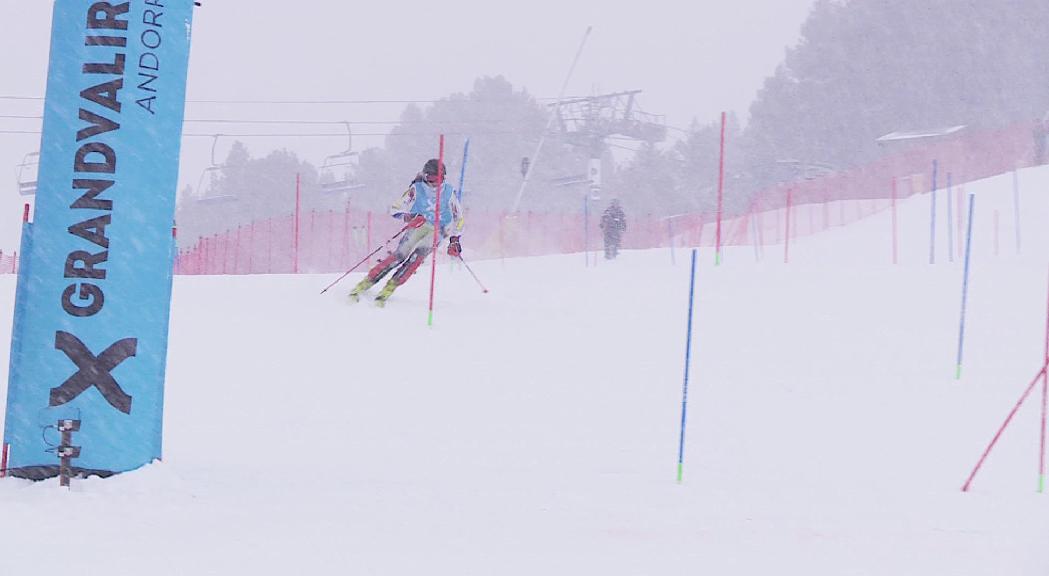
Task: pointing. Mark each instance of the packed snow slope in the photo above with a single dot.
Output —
(534, 429)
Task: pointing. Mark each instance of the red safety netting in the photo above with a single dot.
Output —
(333, 241)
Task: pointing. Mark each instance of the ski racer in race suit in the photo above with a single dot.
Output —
(416, 208)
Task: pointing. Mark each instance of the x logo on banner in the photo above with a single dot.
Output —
(93, 371)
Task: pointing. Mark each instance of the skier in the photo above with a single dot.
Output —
(416, 209)
(613, 224)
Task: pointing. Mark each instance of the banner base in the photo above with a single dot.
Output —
(38, 473)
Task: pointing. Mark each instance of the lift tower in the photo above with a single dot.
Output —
(587, 122)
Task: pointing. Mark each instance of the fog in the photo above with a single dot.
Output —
(691, 60)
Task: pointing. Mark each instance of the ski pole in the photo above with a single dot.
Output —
(476, 279)
(366, 258)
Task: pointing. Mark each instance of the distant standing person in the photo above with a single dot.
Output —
(417, 209)
(613, 224)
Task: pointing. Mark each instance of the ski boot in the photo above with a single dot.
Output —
(360, 288)
(384, 294)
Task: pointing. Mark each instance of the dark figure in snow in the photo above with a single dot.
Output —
(416, 208)
(613, 224)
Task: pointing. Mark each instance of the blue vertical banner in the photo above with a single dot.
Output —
(91, 311)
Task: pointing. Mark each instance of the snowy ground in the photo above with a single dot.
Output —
(534, 429)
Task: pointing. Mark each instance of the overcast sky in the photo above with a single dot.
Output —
(691, 59)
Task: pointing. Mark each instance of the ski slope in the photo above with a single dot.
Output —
(534, 429)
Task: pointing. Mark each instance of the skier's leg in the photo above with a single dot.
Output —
(405, 271)
(392, 259)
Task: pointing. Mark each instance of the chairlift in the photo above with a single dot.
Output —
(338, 172)
(573, 180)
(593, 187)
(28, 173)
(210, 178)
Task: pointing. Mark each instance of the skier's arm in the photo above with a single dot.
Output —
(455, 227)
(401, 208)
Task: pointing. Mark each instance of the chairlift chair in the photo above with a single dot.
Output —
(28, 173)
(338, 172)
(207, 185)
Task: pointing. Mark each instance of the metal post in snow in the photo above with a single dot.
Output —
(965, 286)
(688, 362)
(721, 193)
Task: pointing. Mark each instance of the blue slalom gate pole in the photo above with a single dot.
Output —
(688, 361)
(965, 286)
(462, 170)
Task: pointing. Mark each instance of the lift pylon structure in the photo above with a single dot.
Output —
(582, 120)
(587, 121)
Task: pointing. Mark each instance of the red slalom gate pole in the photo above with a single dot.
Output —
(436, 226)
(1008, 419)
(3, 460)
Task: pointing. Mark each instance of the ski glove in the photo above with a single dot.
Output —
(415, 221)
(454, 247)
